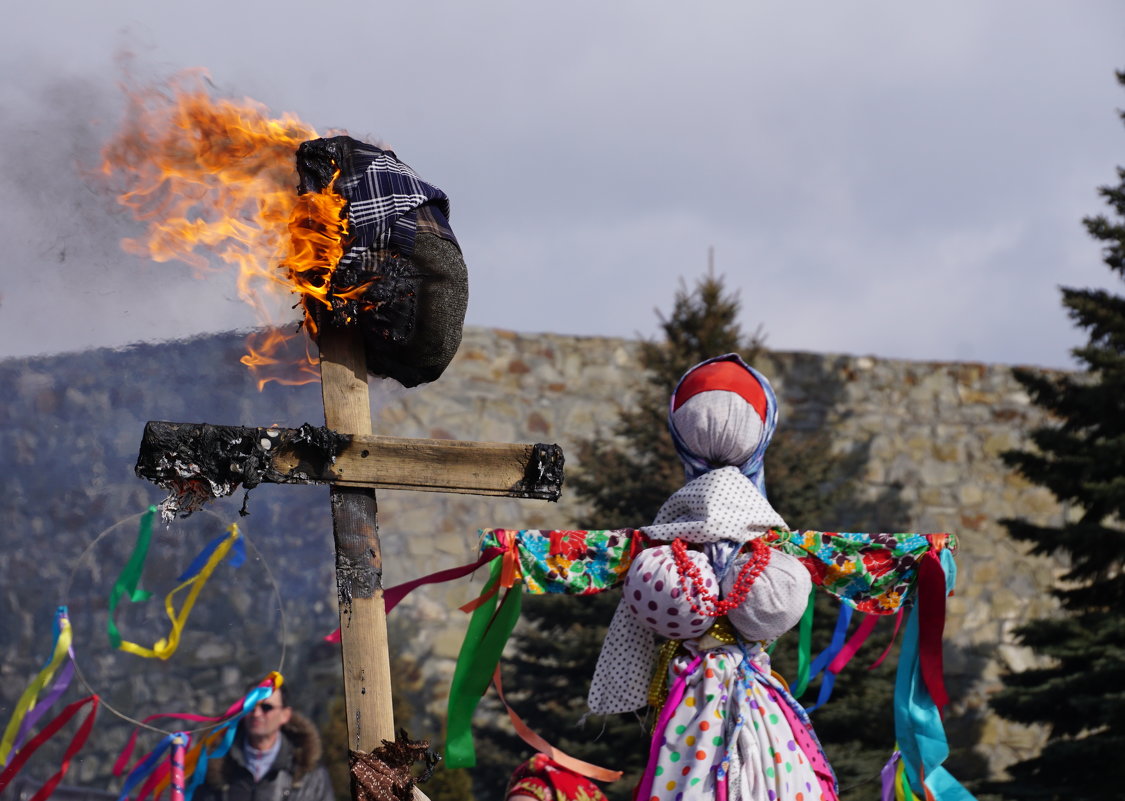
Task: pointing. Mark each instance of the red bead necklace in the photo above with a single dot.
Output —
(691, 581)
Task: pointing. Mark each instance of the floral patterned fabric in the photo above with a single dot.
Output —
(570, 562)
(874, 573)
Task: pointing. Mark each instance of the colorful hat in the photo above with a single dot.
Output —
(544, 779)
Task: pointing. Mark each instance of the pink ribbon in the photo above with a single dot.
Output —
(675, 696)
(393, 595)
(894, 636)
(854, 643)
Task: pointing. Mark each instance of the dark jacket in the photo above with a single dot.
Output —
(295, 775)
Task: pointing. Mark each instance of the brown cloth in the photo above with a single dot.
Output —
(386, 774)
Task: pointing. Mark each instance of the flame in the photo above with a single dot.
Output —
(213, 180)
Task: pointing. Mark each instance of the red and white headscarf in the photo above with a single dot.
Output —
(723, 412)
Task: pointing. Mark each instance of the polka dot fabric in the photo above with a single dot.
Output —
(720, 505)
(621, 678)
(654, 595)
(730, 728)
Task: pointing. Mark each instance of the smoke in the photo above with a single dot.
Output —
(66, 281)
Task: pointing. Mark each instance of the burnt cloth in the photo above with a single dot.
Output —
(386, 774)
(401, 246)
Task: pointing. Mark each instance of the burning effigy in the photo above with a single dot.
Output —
(366, 245)
(400, 276)
(346, 226)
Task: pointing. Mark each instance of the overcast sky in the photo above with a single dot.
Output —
(875, 177)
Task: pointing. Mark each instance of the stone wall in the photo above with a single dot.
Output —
(929, 435)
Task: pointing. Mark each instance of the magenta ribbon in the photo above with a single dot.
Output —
(675, 695)
(393, 595)
(894, 636)
(858, 638)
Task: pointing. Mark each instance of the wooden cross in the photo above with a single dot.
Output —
(354, 462)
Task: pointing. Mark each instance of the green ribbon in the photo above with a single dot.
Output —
(485, 638)
(804, 646)
(130, 576)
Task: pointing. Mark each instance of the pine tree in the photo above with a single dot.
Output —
(1080, 457)
(625, 479)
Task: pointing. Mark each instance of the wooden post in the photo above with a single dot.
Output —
(359, 565)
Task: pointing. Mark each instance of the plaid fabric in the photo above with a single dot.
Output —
(388, 204)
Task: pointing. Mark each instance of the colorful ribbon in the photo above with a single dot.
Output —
(393, 595)
(130, 744)
(931, 611)
(144, 768)
(894, 636)
(62, 683)
(804, 646)
(488, 632)
(887, 778)
(59, 652)
(195, 577)
(224, 735)
(675, 696)
(828, 656)
(918, 726)
(130, 576)
(157, 775)
(46, 734)
(537, 742)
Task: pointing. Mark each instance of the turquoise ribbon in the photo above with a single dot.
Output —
(918, 726)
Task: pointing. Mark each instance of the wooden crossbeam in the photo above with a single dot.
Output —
(199, 461)
(237, 455)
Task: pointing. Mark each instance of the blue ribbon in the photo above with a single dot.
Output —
(252, 699)
(825, 657)
(235, 557)
(143, 768)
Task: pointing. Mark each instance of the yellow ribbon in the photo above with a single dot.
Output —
(166, 646)
(27, 700)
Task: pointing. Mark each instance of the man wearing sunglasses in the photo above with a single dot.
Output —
(275, 757)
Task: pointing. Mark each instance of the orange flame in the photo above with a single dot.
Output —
(214, 181)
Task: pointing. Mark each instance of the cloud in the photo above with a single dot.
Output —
(877, 178)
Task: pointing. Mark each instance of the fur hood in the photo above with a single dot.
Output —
(301, 748)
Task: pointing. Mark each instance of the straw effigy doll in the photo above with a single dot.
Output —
(712, 587)
(718, 576)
